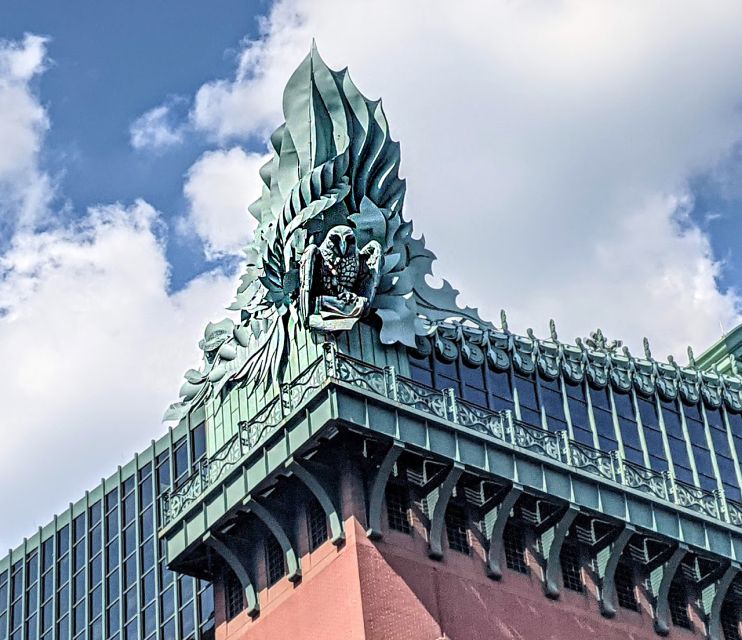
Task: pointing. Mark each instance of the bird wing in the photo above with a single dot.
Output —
(371, 257)
(306, 278)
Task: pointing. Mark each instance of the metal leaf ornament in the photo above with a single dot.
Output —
(334, 164)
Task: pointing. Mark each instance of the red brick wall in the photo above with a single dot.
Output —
(391, 590)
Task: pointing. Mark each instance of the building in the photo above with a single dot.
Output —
(358, 457)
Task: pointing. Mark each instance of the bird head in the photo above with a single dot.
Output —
(339, 242)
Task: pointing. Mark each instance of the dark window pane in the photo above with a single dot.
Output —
(472, 376)
(275, 561)
(94, 513)
(457, 529)
(514, 544)
(317, 524)
(181, 461)
(233, 595)
(397, 508)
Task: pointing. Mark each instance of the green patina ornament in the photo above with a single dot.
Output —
(331, 246)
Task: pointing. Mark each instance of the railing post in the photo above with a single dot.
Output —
(618, 471)
(509, 431)
(670, 486)
(566, 449)
(165, 508)
(451, 408)
(329, 350)
(721, 503)
(285, 393)
(390, 380)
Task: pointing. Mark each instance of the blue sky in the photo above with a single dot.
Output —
(576, 161)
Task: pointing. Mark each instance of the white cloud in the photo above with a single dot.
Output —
(94, 348)
(155, 129)
(93, 342)
(24, 189)
(546, 146)
(219, 186)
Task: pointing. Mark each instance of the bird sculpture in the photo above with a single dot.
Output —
(338, 281)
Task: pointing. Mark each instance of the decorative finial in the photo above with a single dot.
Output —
(626, 351)
(598, 342)
(671, 360)
(504, 320)
(530, 334)
(691, 357)
(553, 331)
(647, 350)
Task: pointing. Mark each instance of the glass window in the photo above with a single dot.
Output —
(94, 513)
(63, 540)
(652, 433)
(700, 447)
(603, 415)
(112, 618)
(275, 561)
(551, 397)
(233, 595)
(514, 545)
(527, 400)
(198, 441)
(112, 499)
(420, 369)
(79, 527)
(181, 460)
(128, 485)
(578, 413)
(47, 554)
(629, 428)
(113, 585)
(163, 473)
(145, 492)
(498, 386)
(316, 524)
(167, 603)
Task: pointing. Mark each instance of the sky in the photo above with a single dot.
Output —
(575, 160)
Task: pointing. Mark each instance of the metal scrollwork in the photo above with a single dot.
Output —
(422, 398)
(536, 440)
(591, 460)
(473, 417)
(696, 499)
(644, 479)
(361, 375)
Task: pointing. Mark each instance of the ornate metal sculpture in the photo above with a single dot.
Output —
(338, 282)
(334, 175)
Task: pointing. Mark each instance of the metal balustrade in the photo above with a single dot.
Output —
(443, 405)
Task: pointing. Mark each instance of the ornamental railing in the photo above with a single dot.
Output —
(443, 405)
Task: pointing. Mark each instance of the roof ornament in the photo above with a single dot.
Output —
(553, 331)
(598, 342)
(331, 245)
(691, 357)
(647, 350)
(504, 321)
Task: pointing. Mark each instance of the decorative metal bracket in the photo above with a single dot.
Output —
(722, 587)
(494, 570)
(608, 596)
(251, 505)
(378, 488)
(437, 520)
(662, 607)
(331, 510)
(551, 575)
(234, 552)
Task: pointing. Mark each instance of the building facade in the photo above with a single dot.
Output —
(358, 457)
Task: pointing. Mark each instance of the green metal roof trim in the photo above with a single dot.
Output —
(600, 360)
(725, 355)
(335, 165)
